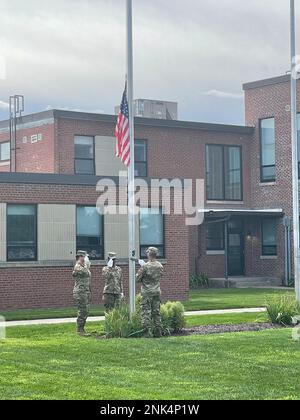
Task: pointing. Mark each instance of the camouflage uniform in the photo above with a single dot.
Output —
(150, 276)
(82, 293)
(113, 290)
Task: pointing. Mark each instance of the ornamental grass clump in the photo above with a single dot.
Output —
(282, 310)
(119, 324)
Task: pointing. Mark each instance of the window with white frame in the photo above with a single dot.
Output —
(4, 151)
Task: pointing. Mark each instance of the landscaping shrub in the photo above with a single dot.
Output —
(199, 282)
(282, 310)
(119, 325)
(173, 318)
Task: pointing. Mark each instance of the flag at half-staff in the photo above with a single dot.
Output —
(125, 151)
(122, 131)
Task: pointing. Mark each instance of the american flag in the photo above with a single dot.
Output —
(122, 131)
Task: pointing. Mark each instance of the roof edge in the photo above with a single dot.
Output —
(179, 124)
(267, 82)
(61, 179)
(146, 122)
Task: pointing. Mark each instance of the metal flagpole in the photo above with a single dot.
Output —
(131, 169)
(295, 151)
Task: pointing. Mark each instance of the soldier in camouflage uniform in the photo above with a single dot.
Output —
(150, 276)
(82, 290)
(113, 294)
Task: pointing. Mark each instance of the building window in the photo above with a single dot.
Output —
(84, 155)
(269, 237)
(224, 173)
(90, 232)
(215, 236)
(21, 232)
(34, 138)
(151, 231)
(268, 150)
(4, 151)
(140, 149)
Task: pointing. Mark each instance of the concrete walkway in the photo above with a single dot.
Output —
(101, 318)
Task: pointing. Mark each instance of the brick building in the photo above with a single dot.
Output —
(47, 208)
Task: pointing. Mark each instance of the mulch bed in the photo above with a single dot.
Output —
(216, 329)
(221, 329)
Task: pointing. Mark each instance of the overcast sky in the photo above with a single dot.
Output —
(70, 54)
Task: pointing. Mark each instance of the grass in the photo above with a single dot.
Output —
(31, 314)
(210, 299)
(197, 320)
(51, 362)
(205, 299)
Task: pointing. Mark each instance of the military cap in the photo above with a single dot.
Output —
(81, 254)
(112, 255)
(152, 250)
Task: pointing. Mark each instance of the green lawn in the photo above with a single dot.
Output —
(199, 300)
(231, 298)
(51, 362)
(193, 321)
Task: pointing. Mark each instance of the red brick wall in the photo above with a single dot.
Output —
(172, 153)
(49, 287)
(255, 264)
(264, 102)
(40, 287)
(180, 153)
(34, 157)
(271, 101)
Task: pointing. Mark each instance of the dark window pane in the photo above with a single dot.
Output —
(268, 149)
(269, 237)
(84, 167)
(84, 147)
(21, 253)
(21, 232)
(214, 168)
(223, 173)
(140, 150)
(215, 236)
(141, 169)
(90, 231)
(233, 175)
(268, 173)
(269, 250)
(92, 245)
